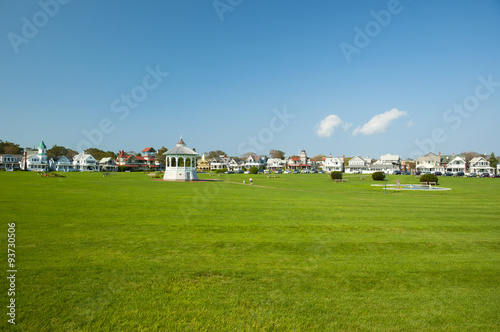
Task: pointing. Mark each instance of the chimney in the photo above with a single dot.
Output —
(343, 158)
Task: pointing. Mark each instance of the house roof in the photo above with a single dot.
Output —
(57, 158)
(105, 160)
(82, 156)
(476, 159)
(42, 145)
(148, 149)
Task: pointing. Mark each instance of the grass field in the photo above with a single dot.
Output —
(298, 253)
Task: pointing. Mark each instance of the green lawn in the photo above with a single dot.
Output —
(297, 253)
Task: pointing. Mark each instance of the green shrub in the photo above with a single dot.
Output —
(429, 178)
(123, 168)
(219, 171)
(378, 176)
(336, 175)
(254, 170)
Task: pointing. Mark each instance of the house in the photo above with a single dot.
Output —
(273, 164)
(149, 157)
(84, 162)
(301, 162)
(146, 161)
(148, 152)
(387, 163)
(108, 164)
(333, 164)
(203, 165)
(61, 164)
(258, 161)
(456, 164)
(408, 165)
(35, 160)
(480, 165)
(236, 164)
(10, 162)
(221, 162)
(429, 163)
(358, 164)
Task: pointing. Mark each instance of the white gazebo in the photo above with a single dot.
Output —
(180, 163)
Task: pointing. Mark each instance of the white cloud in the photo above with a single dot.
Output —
(379, 123)
(346, 126)
(326, 127)
(410, 124)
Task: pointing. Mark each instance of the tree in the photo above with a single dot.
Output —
(493, 161)
(319, 157)
(410, 165)
(247, 154)
(57, 150)
(277, 154)
(254, 170)
(159, 155)
(12, 148)
(469, 155)
(216, 153)
(99, 154)
(347, 161)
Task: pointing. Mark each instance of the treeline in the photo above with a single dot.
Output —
(10, 148)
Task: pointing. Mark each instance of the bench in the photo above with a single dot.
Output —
(432, 183)
(424, 183)
(337, 180)
(362, 177)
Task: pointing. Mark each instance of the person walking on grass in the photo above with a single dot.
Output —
(251, 181)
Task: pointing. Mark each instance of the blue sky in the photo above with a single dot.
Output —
(364, 77)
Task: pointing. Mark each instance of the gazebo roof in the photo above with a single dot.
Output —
(180, 149)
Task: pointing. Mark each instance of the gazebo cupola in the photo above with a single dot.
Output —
(180, 163)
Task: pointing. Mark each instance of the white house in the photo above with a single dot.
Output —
(498, 168)
(387, 163)
(273, 164)
(429, 163)
(455, 165)
(358, 164)
(258, 161)
(61, 164)
(84, 162)
(108, 164)
(221, 162)
(480, 165)
(333, 164)
(236, 164)
(9, 162)
(36, 160)
(180, 163)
